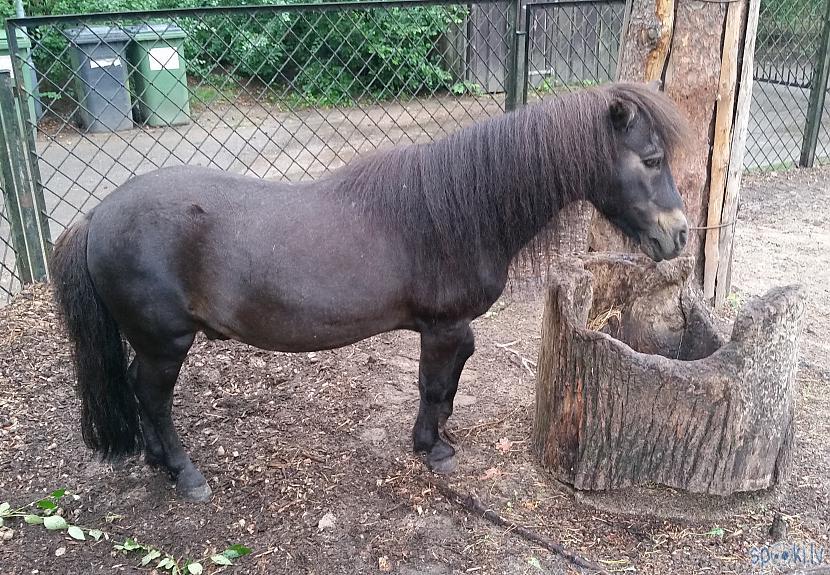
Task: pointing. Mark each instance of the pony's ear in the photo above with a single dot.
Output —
(622, 114)
(655, 85)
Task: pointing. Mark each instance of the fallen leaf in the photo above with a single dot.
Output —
(326, 522)
(504, 445)
(384, 564)
(491, 473)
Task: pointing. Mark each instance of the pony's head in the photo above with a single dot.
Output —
(642, 199)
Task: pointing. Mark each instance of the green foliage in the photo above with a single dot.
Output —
(328, 58)
(47, 512)
(319, 58)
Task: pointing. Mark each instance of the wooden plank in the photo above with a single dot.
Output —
(692, 79)
(721, 143)
(736, 159)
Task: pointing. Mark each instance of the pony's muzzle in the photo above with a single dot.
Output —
(667, 238)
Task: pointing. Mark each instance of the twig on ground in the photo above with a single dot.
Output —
(471, 503)
(487, 424)
(525, 363)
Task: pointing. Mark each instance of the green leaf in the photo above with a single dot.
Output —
(221, 559)
(166, 563)
(33, 519)
(76, 532)
(95, 533)
(57, 493)
(4, 508)
(194, 568)
(154, 554)
(535, 563)
(128, 545)
(46, 504)
(1, 522)
(54, 522)
(236, 551)
(716, 532)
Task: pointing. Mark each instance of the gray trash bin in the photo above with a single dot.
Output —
(99, 62)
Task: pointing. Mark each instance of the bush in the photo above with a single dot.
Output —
(329, 57)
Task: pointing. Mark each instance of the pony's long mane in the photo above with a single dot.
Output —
(494, 188)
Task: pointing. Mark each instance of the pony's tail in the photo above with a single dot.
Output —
(109, 412)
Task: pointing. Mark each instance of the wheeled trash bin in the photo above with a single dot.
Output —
(98, 60)
(158, 74)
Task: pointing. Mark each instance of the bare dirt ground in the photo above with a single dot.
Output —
(286, 439)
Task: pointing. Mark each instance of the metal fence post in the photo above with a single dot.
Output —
(511, 96)
(25, 213)
(818, 89)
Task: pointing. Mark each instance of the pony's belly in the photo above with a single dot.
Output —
(304, 332)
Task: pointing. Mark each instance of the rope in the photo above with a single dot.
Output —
(724, 225)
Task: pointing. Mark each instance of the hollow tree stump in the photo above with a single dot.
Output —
(650, 393)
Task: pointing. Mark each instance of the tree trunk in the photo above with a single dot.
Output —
(635, 386)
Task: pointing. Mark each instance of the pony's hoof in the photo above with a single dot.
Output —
(192, 486)
(152, 460)
(443, 466)
(198, 494)
(441, 458)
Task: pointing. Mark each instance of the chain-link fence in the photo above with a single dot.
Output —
(570, 45)
(286, 92)
(788, 53)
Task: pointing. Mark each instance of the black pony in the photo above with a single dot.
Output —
(419, 237)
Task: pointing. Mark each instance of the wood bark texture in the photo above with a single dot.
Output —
(652, 394)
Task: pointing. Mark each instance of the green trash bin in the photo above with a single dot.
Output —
(23, 48)
(158, 74)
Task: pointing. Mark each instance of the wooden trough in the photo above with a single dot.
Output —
(636, 387)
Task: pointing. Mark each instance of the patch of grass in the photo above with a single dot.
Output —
(735, 300)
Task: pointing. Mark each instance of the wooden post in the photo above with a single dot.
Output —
(729, 212)
(692, 80)
(721, 143)
(24, 204)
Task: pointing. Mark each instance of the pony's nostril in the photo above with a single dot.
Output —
(682, 237)
(655, 244)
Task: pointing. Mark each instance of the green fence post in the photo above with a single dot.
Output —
(24, 212)
(818, 89)
(28, 136)
(513, 75)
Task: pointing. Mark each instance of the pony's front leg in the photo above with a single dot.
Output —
(465, 351)
(444, 350)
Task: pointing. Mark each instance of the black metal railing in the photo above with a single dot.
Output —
(785, 125)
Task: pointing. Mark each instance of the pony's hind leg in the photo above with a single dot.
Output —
(153, 450)
(444, 351)
(156, 376)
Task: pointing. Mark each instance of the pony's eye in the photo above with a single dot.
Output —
(653, 162)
